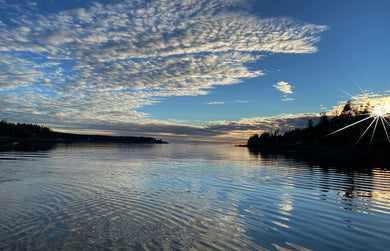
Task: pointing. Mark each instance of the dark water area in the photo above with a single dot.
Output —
(182, 196)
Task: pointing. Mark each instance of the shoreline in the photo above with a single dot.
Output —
(36, 144)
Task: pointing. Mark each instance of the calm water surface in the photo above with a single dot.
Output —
(181, 197)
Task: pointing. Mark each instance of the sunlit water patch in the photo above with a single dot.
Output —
(153, 197)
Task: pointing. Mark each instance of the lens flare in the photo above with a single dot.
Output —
(381, 110)
(377, 108)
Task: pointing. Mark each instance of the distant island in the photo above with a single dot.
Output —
(356, 131)
(17, 133)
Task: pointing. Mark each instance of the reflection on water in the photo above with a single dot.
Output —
(112, 196)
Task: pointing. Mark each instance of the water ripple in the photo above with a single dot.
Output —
(93, 199)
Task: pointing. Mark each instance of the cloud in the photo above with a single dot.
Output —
(222, 131)
(217, 131)
(228, 102)
(367, 101)
(285, 88)
(282, 123)
(105, 61)
(216, 103)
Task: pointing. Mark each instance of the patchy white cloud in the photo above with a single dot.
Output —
(227, 102)
(286, 89)
(216, 103)
(105, 61)
(283, 87)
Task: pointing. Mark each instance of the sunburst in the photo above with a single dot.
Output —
(378, 110)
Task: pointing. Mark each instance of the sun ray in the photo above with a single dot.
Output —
(348, 126)
(350, 95)
(345, 92)
(373, 131)
(368, 127)
(384, 127)
(363, 92)
(384, 119)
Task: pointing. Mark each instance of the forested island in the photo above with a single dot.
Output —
(18, 133)
(356, 131)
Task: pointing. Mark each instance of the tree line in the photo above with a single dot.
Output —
(29, 132)
(356, 119)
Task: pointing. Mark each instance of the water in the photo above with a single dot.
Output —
(181, 197)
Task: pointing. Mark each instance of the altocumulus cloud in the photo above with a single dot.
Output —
(99, 64)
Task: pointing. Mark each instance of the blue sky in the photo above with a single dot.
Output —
(187, 70)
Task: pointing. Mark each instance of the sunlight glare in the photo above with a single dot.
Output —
(378, 109)
(381, 110)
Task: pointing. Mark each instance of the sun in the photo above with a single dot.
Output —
(381, 110)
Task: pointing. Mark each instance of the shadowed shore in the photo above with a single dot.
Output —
(28, 136)
(355, 135)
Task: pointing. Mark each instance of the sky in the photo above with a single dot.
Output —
(188, 70)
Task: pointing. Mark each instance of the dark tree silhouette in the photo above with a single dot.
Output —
(22, 132)
(323, 134)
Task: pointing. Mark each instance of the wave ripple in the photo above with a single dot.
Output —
(170, 198)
